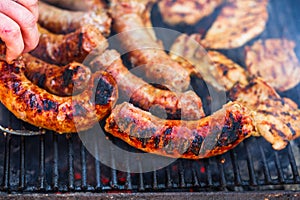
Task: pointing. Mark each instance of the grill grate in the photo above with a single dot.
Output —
(59, 163)
(229, 172)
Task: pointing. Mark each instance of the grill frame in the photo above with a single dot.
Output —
(57, 168)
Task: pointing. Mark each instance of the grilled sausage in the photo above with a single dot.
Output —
(77, 5)
(75, 46)
(204, 138)
(185, 105)
(38, 107)
(68, 80)
(58, 20)
(144, 50)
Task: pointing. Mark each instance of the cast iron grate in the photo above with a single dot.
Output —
(56, 163)
(40, 164)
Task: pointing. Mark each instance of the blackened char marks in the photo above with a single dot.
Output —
(68, 75)
(230, 131)
(196, 144)
(103, 92)
(49, 105)
(79, 110)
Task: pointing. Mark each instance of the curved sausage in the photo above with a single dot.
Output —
(68, 80)
(204, 138)
(143, 48)
(38, 107)
(185, 105)
(77, 5)
(75, 46)
(58, 20)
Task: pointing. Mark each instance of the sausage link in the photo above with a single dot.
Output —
(68, 80)
(75, 46)
(143, 48)
(38, 107)
(185, 105)
(58, 20)
(209, 136)
(77, 5)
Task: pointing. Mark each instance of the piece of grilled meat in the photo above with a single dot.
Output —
(238, 22)
(275, 61)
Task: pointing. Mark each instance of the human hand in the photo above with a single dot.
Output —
(18, 26)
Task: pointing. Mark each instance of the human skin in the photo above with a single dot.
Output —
(18, 26)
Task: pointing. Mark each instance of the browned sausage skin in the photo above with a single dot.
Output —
(77, 5)
(75, 46)
(204, 138)
(67, 80)
(143, 47)
(58, 20)
(185, 105)
(36, 106)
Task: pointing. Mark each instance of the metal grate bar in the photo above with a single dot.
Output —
(278, 167)
(195, 178)
(235, 166)
(6, 185)
(128, 176)
(22, 164)
(154, 184)
(71, 162)
(268, 179)
(98, 175)
(114, 178)
(221, 160)
(169, 180)
(293, 164)
(42, 163)
(253, 180)
(83, 167)
(181, 175)
(141, 178)
(55, 174)
(208, 172)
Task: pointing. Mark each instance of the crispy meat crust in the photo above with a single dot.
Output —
(204, 138)
(75, 46)
(78, 5)
(276, 118)
(40, 108)
(59, 20)
(189, 12)
(67, 80)
(212, 66)
(238, 22)
(275, 61)
(185, 105)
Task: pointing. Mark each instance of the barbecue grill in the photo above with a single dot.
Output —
(53, 165)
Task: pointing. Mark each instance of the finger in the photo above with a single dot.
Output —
(10, 33)
(31, 5)
(26, 21)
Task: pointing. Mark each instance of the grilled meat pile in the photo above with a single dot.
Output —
(51, 88)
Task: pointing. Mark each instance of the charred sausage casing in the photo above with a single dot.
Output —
(59, 20)
(77, 5)
(67, 80)
(185, 105)
(62, 49)
(144, 49)
(203, 138)
(40, 108)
